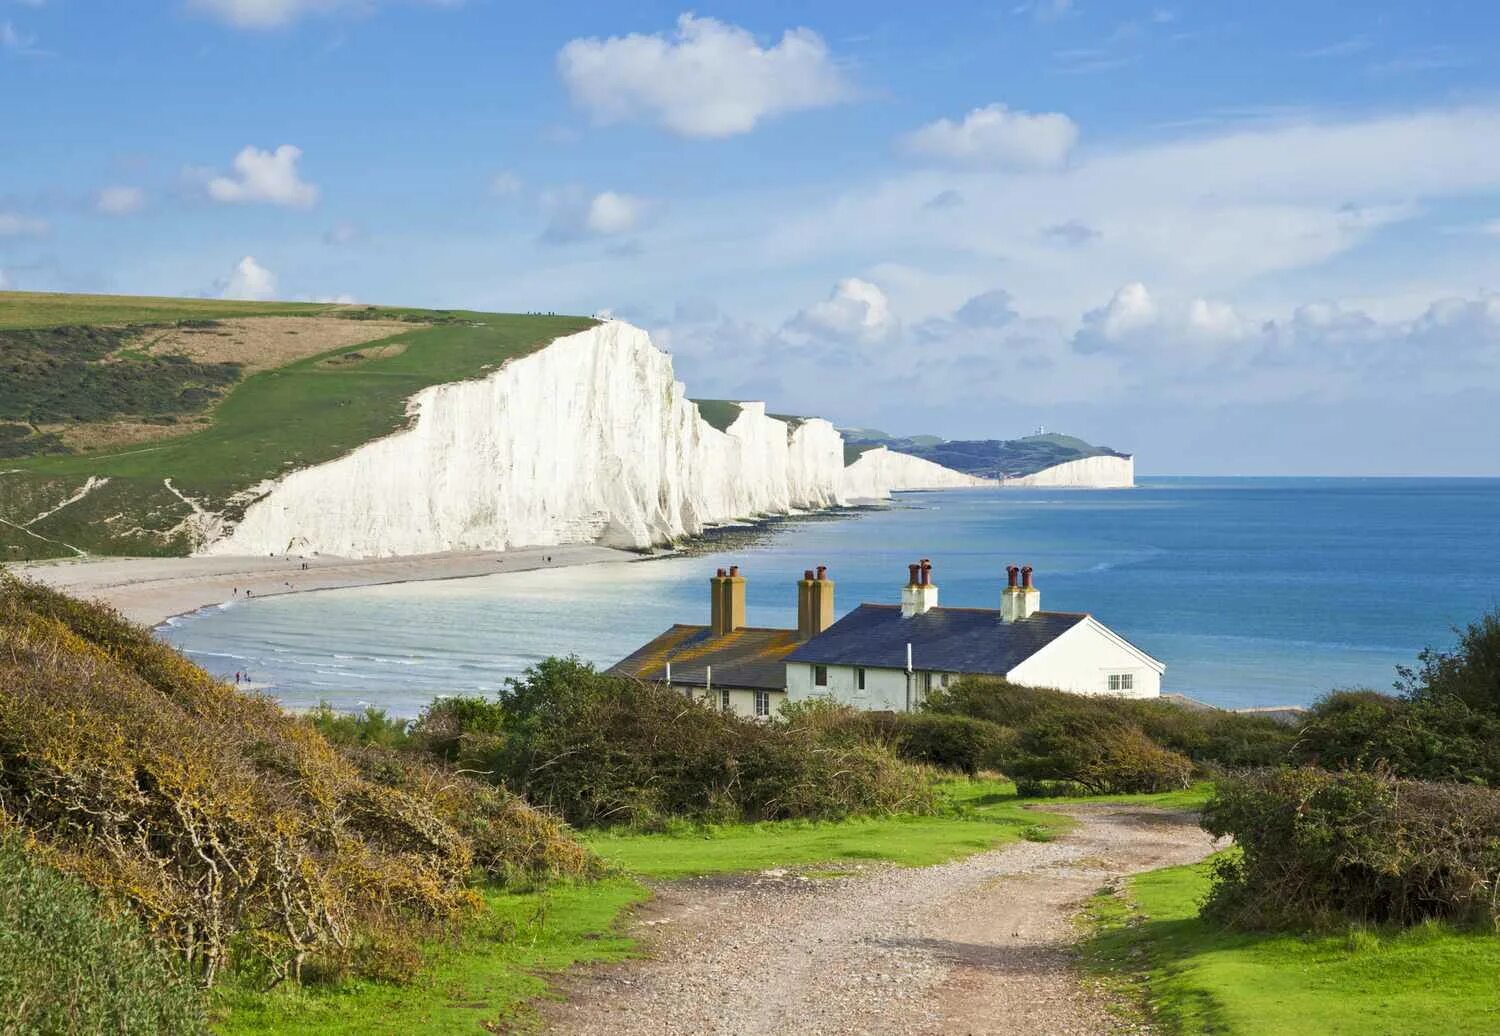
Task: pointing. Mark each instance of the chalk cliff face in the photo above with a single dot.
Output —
(1089, 472)
(589, 439)
(878, 471)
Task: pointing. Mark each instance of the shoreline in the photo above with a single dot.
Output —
(152, 591)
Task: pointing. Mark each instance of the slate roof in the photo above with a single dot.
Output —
(953, 640)
(747, 659)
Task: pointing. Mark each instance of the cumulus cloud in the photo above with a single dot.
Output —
(120, 201)
(1072, 232)
(708, 79)
(998, 137)
(273, 14)
(18, 224)
(574, 215)
(855, 310)
(248, 281)
(269, 177)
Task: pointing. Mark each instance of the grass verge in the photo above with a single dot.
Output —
(486, 978)
(1194, 977)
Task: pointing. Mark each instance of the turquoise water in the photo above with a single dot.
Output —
(1253, 591)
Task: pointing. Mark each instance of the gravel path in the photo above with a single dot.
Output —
(982, 945)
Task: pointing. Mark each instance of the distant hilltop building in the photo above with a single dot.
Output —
(888, 656)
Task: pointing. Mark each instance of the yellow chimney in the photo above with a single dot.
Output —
(728, 613)
(814, 603)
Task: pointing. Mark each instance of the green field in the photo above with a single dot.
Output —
(1194, 977)
(304, 413)
(48, 309)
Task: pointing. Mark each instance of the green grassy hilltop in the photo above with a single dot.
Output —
(95, 387)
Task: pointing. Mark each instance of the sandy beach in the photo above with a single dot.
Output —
(152, 590)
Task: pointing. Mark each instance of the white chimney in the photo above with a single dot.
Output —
(1019, 599)
(920, 594)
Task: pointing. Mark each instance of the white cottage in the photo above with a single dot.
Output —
(888, 657)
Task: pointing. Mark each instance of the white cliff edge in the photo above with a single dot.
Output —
(877, 472)
(587, 440)
(1087, 472)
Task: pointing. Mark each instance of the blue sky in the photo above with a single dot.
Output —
(1237, 238)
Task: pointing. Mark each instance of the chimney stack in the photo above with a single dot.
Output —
(1019, 601)
(814, 603)
(920, 594)
(727, 603)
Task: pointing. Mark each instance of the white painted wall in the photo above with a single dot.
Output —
(741, 703)
(885, 689)
(1082, 659)
(1084, 473)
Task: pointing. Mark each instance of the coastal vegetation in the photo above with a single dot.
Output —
(70, 361)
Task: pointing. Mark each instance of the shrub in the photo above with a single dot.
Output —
(233, 829)
(464, 726)
(1423, 738)
(372, 726)
(66, 966)
(1317, 847)
(1104, 755)
(948, 741)
(1470, 674)
(607, 750)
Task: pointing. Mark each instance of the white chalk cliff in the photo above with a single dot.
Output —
(1092, 472)
(587, 440)
(878, 471)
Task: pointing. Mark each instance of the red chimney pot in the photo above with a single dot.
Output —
(1026, 576)
(914, 569)
(734, 570)
(1012, 573)
(721, 573)
(822, 571)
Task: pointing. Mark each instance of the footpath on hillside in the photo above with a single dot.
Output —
(986, 944)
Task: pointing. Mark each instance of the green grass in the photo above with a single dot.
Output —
(978, 815)
(49, 309)
(1198, 978)
(490, 976)
(273, 422)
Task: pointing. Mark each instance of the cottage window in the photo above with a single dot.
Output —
(724, 700)
(859, 678)
(945, 680)
(820, 676)
(1122, 681)
(762, 703)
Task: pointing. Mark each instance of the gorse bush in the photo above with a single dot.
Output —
(951, 742)
(1102, 754)
(239, 834)
(67, 966)
(1445, 725)
(1318, 848)
(605, 750)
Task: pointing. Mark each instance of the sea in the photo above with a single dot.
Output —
(1253, 591)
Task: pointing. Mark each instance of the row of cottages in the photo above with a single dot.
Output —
(887, 656)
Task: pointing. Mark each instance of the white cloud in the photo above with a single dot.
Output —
(343, 233)
(505, 184)
(248, 281)
(265, 176)
(16, 224)
(120, 201)
(574, 215)
(273, 14)
(998, 137)
(709, 79)
(14, 41)
(855, 310)
(1492, 228)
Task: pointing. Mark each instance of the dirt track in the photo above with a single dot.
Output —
(983, 945)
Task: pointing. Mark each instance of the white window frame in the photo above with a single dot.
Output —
(1118, 683)
(724, 699)
(859, 678)
(762, 704)
(820, 676)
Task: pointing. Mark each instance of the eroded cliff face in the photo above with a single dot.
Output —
(589, 440)
(1086, 472)
(878, 472)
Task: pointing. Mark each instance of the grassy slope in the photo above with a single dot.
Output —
(526, 938)
(301, 414)
(48, 309)
(1199, 978)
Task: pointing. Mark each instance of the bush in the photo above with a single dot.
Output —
(1441, 739)
(1104, 755)
(370, 727)
(1470, 674)
(952, 742)
(464, 726)
(66, 966)
(1319, 847)
(238, 833)
(601, 749)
